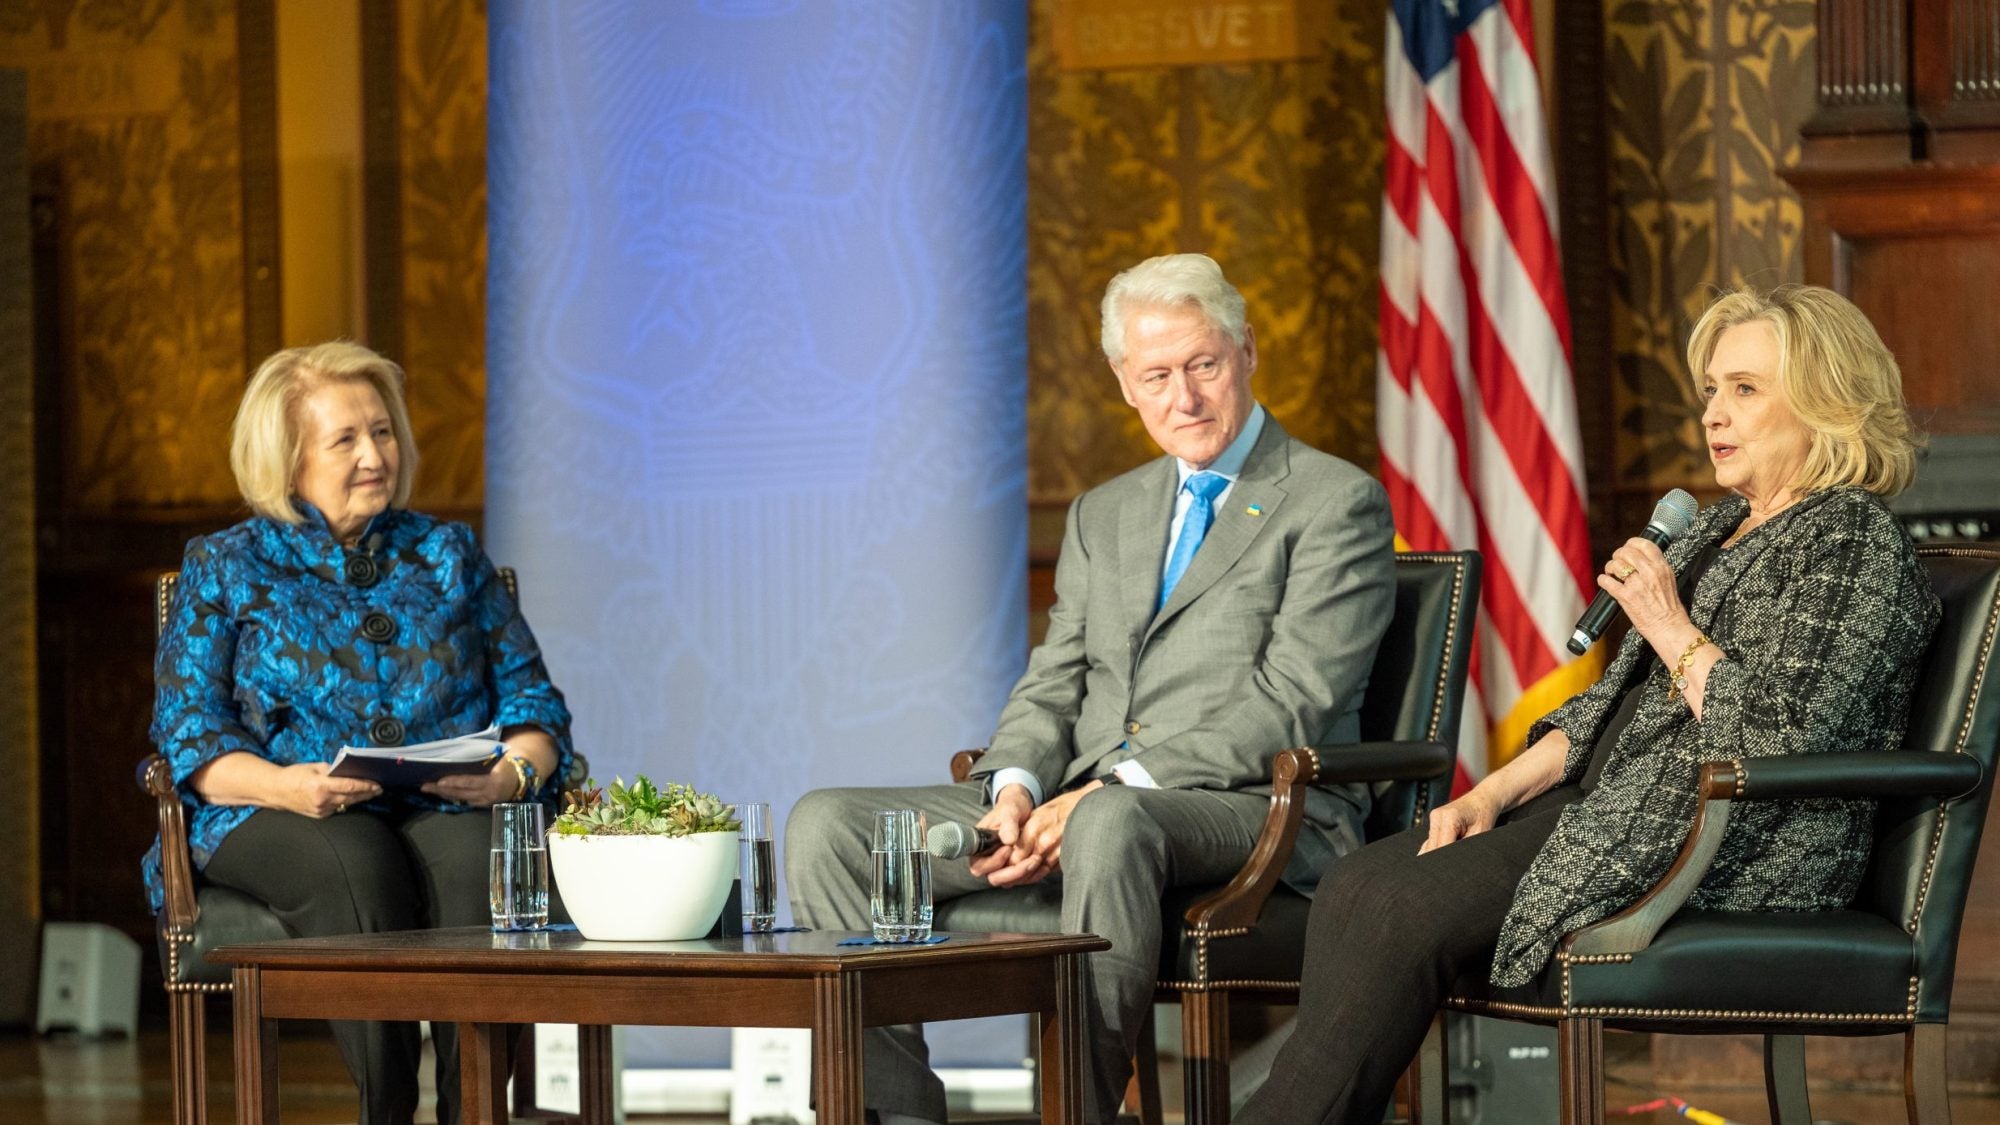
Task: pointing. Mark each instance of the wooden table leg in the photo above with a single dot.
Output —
(256, 1051)
(596, 1101)
(1062, 1047)
(837, 1049)
(482, 1073)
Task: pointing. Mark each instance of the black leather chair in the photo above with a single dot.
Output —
(1247, 938)
(1882, 966)
(198, 917)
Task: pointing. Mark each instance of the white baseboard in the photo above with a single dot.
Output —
(707, 1091)
(783, 1060)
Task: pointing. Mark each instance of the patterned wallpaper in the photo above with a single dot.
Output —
(443, 105)
(132, 109)
(1274, 168)
(1696, 202)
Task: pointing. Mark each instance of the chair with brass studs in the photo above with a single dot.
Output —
(1882, 966)
(198, 916)
(1246, 939)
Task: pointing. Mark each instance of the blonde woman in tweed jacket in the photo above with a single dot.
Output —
(1789, 620)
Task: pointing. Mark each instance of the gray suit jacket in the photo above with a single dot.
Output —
(1265, 643)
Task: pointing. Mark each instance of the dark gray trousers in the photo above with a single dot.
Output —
(367, 872)
(1389, 932)
(1121, 849)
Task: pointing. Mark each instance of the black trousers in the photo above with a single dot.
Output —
(366, 872)
(1389, 932)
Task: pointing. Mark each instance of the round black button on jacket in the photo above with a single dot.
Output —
(378, 627)
(361, 570)
(386, 731)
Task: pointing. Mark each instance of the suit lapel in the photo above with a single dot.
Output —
(1234, 528)
(1142, 542)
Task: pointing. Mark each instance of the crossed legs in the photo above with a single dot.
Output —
(1122, 848)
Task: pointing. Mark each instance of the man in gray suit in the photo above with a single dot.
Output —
(1213, 607)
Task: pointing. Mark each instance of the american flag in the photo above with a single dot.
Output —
(1476, 410)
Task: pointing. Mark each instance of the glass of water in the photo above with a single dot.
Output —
(759, 869)
(518, 874)
(900, 905)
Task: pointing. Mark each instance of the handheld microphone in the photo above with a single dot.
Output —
(950, 840)
(1672, 517)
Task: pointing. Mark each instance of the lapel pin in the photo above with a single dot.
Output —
(1254, 510)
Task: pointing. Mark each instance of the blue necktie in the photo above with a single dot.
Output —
(1205, 487)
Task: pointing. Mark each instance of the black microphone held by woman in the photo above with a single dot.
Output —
(1672, 517)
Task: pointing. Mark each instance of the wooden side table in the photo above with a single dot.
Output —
(483, 980)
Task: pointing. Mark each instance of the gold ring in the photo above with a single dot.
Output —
(1630, 570)
(340, 807)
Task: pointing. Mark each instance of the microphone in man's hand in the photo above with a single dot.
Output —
(1672, 517)
(950, 840)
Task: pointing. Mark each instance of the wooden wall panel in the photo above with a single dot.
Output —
(1944, 352)
(20, 852)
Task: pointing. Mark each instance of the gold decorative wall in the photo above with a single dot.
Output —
(1706, 100)
(443, 107)
(1273, 167)
(133, 135)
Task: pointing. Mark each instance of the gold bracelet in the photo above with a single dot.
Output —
(1677, 689)
(520, 774)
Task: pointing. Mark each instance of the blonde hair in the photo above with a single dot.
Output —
(1838, 376)
(265, 445)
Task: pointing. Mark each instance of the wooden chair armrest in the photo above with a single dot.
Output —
(963, 761)
(1633, 928)
(1238, 904)
(156, 777)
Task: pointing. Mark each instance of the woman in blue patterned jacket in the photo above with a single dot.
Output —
(1790, 619)
(336, 616)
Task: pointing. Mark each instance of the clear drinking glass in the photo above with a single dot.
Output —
(518, 875)
(759, 867)
(900, 904)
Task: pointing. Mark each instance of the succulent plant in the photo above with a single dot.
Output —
(642, 809)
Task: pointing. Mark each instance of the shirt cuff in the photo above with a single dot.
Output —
(1133, 774)
(1013, 775)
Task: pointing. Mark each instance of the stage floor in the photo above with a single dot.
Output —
(66, 1080)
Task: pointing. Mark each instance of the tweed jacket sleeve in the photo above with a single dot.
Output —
(1823, 615)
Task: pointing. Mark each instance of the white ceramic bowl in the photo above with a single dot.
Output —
(644, 888)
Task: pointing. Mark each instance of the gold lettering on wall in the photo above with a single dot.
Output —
(1103, 34)
(76, 85)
